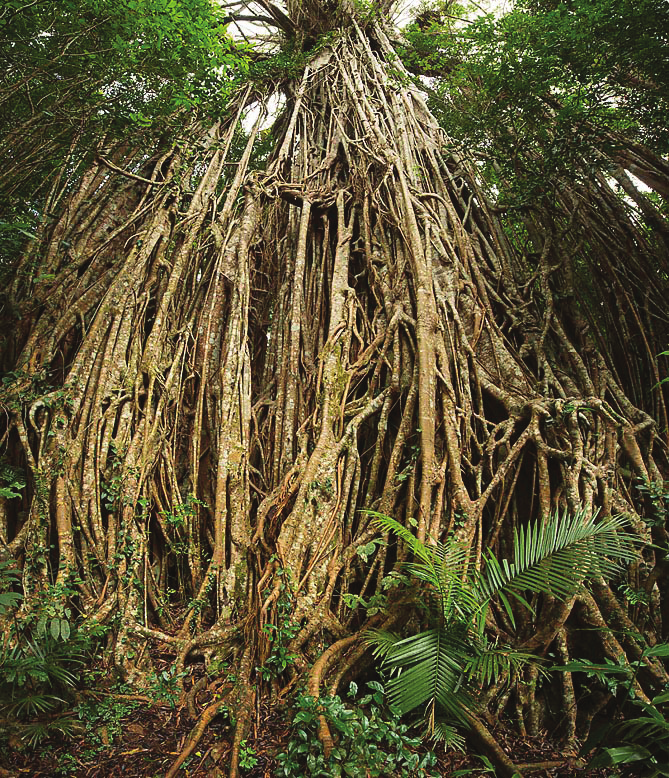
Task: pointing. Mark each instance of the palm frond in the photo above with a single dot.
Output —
(428, 669)
(494, 662)
(556, 555)
(387, 523)
(553, 556)
(442, 566)
(447, 735)
(382, 641)
(645, 729)
(32, 704)
(457, 595)
(66, 726)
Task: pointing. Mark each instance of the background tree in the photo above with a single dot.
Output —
(225, 340)
(80, 77)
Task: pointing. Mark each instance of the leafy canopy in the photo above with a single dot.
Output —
(80, 75)
(548, 84)
(128, 58)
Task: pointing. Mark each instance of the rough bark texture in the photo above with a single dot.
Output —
(215, 368)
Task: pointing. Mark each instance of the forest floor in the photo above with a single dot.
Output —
(139, 741)
(119, 733)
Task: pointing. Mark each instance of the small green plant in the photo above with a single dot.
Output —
(280, 635)
(657, 498)
(12, 480)
(638, 743)
(634, 596)
(280, 657)
(37, 678)
(9, 576)
(487, 769)
(179, 515)
(165, 685)
(435, 669)
(104, 714)
(247, 756)
(67, 764)
(52, 614)
(369, 739)
(375, 604)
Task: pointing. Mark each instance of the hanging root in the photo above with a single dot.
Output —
(221, 359)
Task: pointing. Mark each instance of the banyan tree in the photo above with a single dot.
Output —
(229, 346)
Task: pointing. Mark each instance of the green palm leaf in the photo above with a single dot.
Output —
(556, 555)
(382, 641)
(553, 556)
(496, 661)
(448, 736)
(442, 566)
(427, 669)
(387, 523)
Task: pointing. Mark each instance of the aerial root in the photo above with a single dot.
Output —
(568, 695)
(195, 736)
(244, 707)
(486, 742)
(609, 643)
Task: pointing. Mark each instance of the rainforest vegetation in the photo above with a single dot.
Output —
(334, 352)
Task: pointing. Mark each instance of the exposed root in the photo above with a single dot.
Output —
(321, 666)
(219, 357)
(195, 736)
(487, 743)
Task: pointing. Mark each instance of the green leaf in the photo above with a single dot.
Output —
(391, 525)
(554, 556)
(9, 493)
(593, 669)
(621, 755)
(65, 630)
(661, 649)
(427, 670)
(9, 600)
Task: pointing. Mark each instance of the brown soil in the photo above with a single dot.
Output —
(150, 738)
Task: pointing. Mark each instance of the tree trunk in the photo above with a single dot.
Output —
(216, 368)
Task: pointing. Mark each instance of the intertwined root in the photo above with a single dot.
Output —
(221, 359)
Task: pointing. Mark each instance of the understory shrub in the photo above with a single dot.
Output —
(369, 740)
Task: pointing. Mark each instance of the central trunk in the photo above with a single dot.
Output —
(240, 363)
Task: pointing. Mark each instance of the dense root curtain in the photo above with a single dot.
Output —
(218, 360)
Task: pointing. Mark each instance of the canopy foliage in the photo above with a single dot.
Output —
(78, 77)
(548, 89)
